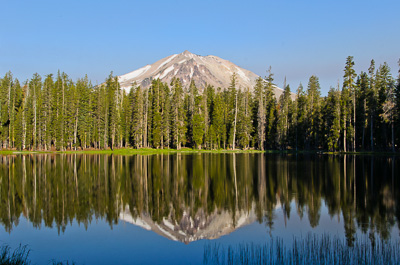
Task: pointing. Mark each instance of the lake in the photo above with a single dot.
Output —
(164, 209)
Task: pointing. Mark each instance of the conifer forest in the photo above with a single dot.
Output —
(56, 113)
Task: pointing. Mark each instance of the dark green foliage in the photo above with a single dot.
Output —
(331, 117)
(18, 257)
(56, 113)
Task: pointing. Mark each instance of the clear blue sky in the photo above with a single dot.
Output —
(297, 38)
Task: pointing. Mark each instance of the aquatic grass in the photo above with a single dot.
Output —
(17, 257)
(312, 249)
(20, 257)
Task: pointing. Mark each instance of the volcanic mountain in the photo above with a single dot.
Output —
(203, 70)
(192, 228)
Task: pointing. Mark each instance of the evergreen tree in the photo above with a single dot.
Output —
(349, 85)
(313, 112)
(270, 107)
(218, 119)
(166, 116)
(232, 111)
(362, 109)
(301, 118)
(83, 118)
(259, 110)
(6, 111)
(46, 111)
(384, 84)
(389, 104)
(397, 96)
(156, 118)
(198, 124)
(137, 125)
(372, 102)
(332, 119)
(113, 105)
(178, 127)
(283, 118)
(244, 124)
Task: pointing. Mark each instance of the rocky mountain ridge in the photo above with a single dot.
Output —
(203, 70)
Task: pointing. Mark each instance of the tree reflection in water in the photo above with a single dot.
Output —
(190, 192)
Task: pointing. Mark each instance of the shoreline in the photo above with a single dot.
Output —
(152, 151)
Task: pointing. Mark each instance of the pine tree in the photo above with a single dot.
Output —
(178, 126)
(301, 117)
(349, 84)
(83, 118)
(46, 111)
(137, 125)
(313, 112)
(259, 109)
(244, 124)
(386, 85)
(198, 124)
(218, 119)
(283, 118)
(35, 86)
(113, 105)
(17, 133)
(270, 108)
(156, 118)
(166, 116)
(363, 92)
(209, 134)
(232, 111)
(372, 102)
(6, 85)
(332, 119)
(397, 96)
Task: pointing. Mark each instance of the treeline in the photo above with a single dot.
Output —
(56, 113)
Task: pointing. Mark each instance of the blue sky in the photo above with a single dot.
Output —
(297, 38)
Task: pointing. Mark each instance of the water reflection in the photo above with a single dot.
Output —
(190, 197)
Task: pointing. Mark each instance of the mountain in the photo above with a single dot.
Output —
(189, 229)
(203, 70)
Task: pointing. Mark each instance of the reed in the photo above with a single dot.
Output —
(312, 249)
(17, 257)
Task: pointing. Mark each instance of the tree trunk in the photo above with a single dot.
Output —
(354, 120)
(393, 147)
(344, 135)
(34, 119)
(372, 133)
(76, 126)
(234, 126)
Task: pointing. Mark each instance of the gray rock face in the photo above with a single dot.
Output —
(203, 70)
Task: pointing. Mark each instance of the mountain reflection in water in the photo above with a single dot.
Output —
(187, 197)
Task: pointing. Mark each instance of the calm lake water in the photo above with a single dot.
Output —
(163, 209)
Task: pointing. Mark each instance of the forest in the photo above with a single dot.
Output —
(56, 113)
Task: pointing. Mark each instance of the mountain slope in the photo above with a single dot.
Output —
(190, 229)
(203, 70)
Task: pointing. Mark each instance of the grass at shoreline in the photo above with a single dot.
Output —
(131, 151)
(312, 249)
(152, 151)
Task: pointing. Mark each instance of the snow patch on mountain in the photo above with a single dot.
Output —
(134, 74)
(167, 61)
(203, 70)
